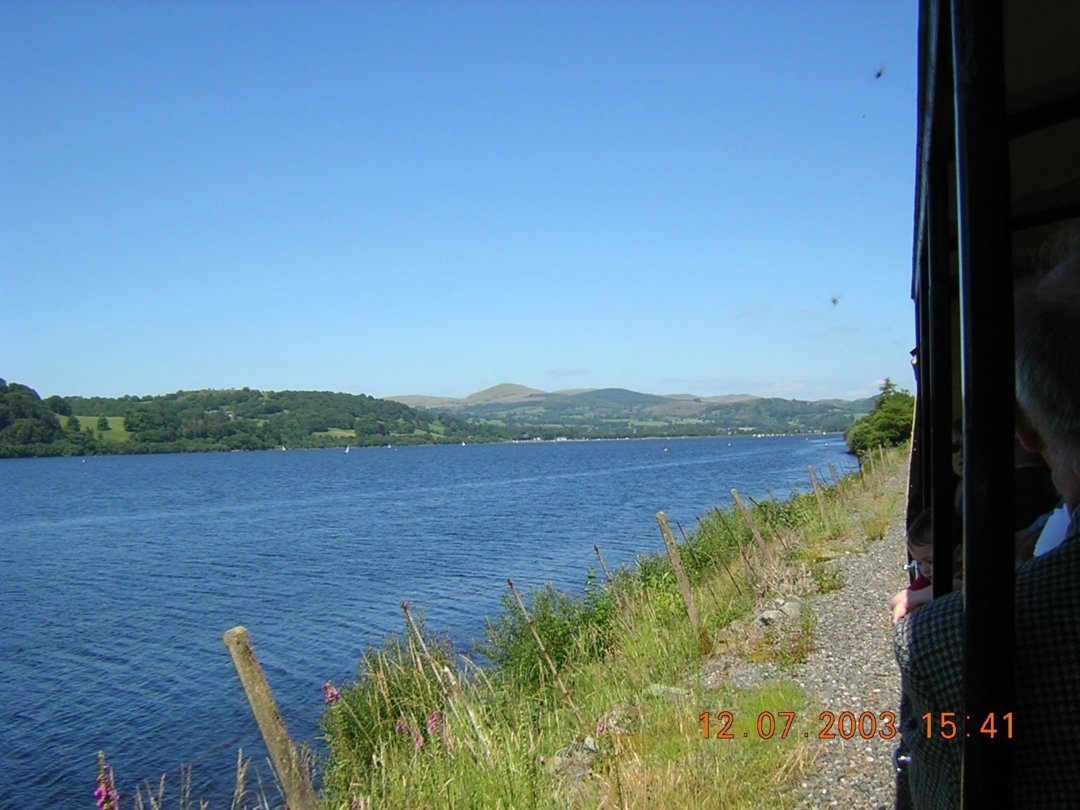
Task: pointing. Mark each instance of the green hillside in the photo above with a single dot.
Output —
(247, 419)
(239, 419)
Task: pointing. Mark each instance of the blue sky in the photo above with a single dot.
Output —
(437, 197)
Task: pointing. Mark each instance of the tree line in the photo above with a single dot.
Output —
(248, 419)
(192, 421)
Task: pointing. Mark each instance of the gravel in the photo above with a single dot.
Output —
(852, 669)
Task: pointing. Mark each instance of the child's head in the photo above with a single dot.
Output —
(920, 544)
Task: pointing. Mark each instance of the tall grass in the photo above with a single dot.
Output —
(617, 723)
(164, 795)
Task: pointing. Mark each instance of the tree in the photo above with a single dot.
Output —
(887, 425)
(103, 423)
(58, 405)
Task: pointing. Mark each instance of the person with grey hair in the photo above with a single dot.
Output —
(929, 643)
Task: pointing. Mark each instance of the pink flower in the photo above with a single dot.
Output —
(601, 727)
(106, 794)
(329, 693)
(434, 721)
(405, 725)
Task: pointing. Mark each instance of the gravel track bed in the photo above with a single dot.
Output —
(852, 669)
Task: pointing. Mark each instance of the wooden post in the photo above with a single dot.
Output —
(751, 568)
(696, 557)
(819, 495)
(603, 567)
(835, 477)
(749, 520)
(543, 650)
(684, 583)
(286, 762)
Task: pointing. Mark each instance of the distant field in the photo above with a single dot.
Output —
(115, 433)
(336, 432)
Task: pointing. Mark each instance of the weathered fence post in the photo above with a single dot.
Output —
(684, 583)
(820, 497)
(749, 520)
(747, 561)
(835, 477)
(286, 762)
(603, 567)
(543, 650)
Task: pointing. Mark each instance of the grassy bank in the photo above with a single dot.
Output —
(612, 698)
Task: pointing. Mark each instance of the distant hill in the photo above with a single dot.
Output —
(618, 411)
(505, 393)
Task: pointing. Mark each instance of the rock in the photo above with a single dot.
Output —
(792, 608)
(620, 720)
(770, 617)
(572, 765)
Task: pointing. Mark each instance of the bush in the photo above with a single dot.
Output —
(572, 629)
(887, 425)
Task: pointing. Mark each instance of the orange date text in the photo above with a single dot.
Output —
(831, 725)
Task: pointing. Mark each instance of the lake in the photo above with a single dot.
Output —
(122, 572)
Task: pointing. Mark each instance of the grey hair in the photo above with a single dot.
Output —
(1047, 352)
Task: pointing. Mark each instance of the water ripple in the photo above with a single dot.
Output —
(122, 573)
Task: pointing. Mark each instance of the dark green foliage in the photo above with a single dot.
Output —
(571, 628)
(58, 405)
(887, 425)
(30, 427)
(189, 421)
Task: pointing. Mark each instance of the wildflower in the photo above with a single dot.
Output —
(434, 722)
(106, 794)
(406, 726)
(329, 693)
(438, 729)
(601, 727)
